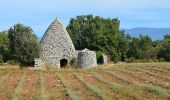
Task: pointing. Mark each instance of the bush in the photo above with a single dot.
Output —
(1, 59)
(168, 58)
(73, 62)
(24, 45)
(161, 59)
(12, 62)
(133, 60)
(130, 60)
(98, 56)
(143, 60)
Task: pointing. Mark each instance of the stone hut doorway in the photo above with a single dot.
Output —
(63, 63)
(102, 59)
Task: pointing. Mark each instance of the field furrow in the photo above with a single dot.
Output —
(43, 93)
(4, 72)
(70, 92)
(143, 77)
(122, 90)
(17, 90)
(150, 73)
(8, 87)
(120, 81)
(165, 73)
(111, 78)
(54, 87)
(152, 77)
(78, 86)
(144, 89)
(100, 93)
(31, 86)
(4, 78)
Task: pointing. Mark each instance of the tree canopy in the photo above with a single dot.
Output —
(24, 45)
(96, 33)
(4, 46)
(164, 48)
(103, 35)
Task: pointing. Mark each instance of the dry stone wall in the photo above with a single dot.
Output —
(86, 59)
(56, 44)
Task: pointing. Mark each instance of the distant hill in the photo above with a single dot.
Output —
(154, 33)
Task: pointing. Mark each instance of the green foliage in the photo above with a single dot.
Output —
(88, 31)
(1, 60)
(20, 45)
(4, 46)
(73, 62)
(100, 34)
(24, 45)
(164, 50)
(97, 33)
(103, 34)
(141, 47)
(12, 62)
(99, 56)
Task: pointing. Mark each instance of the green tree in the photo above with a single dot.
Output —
(164, 50)
(24, 45)
(140, 47)
(4, 46)
(88, 31)
(1, 60)
(103, 35)
(96, 33)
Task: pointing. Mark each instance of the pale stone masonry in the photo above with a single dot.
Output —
(86, 59)
(57, 49)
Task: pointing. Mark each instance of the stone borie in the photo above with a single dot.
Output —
(57, 49)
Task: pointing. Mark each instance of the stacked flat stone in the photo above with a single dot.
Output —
(86, 59)
(57, 47)
(56, 44)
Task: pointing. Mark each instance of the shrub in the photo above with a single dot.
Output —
(99, 56)
(1, 59)
(129, 60)
(73, 62)
(24, 45)
(12, 62)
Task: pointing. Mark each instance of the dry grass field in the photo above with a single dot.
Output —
(135, 81)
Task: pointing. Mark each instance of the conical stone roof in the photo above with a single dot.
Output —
(56, 44)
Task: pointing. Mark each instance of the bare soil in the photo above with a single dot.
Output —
(136, 73)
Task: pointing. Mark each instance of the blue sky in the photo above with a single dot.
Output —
(40, 13)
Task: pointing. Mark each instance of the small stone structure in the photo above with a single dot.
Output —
(57, 49)
(86, 59)
(37, 62)
(102, 59)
